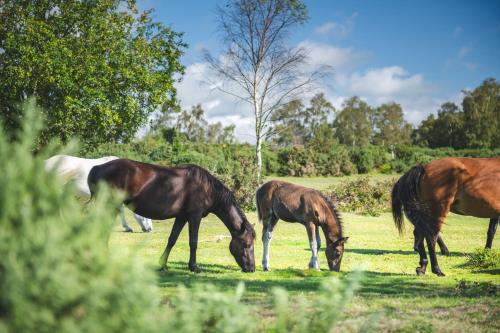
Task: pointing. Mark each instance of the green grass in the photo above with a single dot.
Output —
(323, 183)
(465, 300)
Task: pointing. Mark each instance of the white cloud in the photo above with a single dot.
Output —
(325, 28)
(417, 97)
(337, 29)
(384, 83)
(337, 57)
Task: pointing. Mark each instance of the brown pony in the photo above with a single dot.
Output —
(293, 203)
(465, 186)
(187, 193)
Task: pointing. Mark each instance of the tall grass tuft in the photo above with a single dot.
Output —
(484, 259)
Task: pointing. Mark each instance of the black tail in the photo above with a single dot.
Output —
(92, 180)
(405, 195)
(259, 215)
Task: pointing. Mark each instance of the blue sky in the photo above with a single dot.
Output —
(417, 53)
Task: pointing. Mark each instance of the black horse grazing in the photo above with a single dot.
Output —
(187, 193)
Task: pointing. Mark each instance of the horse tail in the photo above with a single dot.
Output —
(92, 180)
(404, 197)
(259, 214)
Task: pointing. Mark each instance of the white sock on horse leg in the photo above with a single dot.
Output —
(313, 263)
(266, 239)
(124, 221)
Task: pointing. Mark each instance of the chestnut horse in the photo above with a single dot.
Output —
(187, 193)
(294, 203)
(465, 186)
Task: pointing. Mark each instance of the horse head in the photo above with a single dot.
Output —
(334, 252)
(241, 247)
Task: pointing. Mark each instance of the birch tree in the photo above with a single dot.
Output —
(257, 66)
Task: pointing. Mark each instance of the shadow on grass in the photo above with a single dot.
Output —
(296, 281)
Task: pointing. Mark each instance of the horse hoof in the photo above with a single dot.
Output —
(146, 230)
(445, 252)
(439, 273)
(162, 270)
(266, 269)
(129, 230)
(420, 271)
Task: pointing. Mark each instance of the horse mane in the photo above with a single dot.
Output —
(335, 212)
(222, 194)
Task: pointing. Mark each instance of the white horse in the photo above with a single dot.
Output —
(77, 169)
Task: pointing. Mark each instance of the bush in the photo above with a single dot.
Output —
(207, 310)
(484, 259)
(242, 181)
(363, 158)
(362, 197)
(56, 273)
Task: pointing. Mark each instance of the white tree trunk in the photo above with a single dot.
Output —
(258, 155)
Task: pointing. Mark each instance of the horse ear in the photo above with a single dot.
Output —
(345, 239)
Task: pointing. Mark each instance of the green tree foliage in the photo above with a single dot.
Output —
(296, 125)
(390, 126)
(316, 115)
(193, 126)
(353, 125)
(288, 128)
(475, 126)
(56, 272)
(445, 130)
(481, 110)
(192, 123)
(98, 68)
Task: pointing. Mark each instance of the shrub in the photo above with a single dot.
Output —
(56, 273)
(204, 309)
(362, 197)
(484, 259)
(242, 181)
(363, 158)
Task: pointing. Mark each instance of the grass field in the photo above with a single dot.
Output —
(391, 294)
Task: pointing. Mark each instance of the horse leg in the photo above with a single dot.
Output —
(174, 234)
(443, 247)
(145, 223)
(125, 225)
(431, 245)
(318, 238)
(420, 248)
(491, 231)
(267, 233)
(194, 226)
(311, 234)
